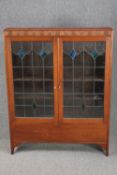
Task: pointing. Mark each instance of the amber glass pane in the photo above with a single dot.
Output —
(83, 79)
(33, 79)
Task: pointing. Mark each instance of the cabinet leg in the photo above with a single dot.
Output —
(14, 147)
(12, 150)
(105, 148)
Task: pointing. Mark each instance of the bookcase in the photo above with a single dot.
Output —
(58, 83)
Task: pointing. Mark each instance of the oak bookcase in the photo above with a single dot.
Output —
(58, 82)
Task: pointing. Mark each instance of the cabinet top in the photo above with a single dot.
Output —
(102, 31)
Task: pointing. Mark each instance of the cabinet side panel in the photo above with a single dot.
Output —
(107, 90)
(9, 82)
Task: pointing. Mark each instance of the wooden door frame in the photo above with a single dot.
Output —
(108, 63)
(10, 86)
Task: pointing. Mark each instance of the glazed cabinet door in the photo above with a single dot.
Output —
(34, 77)
(82, 66)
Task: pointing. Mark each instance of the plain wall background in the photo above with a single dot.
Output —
(53, 13)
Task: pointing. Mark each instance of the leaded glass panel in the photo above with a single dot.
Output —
(33, 79)
(83, 79)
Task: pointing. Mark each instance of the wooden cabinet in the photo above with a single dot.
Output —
(59, 85)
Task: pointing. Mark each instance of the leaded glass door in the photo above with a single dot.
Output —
(34, 63)
(82, 79)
